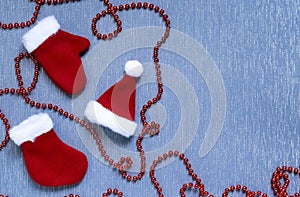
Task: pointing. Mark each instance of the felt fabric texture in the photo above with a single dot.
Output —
(52, 163)
(58, 52)
(115, 108)
(49, 161)
(255, 46)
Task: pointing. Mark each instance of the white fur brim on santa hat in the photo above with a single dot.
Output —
(98, 114)
(31, 128)
(39, 33)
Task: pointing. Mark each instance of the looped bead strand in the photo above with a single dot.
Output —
(32, 20)
(7, 127)
(28, 90)
(28, 23)
(153, 128)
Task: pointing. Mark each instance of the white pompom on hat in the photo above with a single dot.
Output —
(134, 68)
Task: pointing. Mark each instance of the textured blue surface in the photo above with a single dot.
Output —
(256, 49)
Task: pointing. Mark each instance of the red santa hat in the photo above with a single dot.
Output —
(115, 108)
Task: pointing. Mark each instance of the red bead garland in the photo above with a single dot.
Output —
(24, 24)
(28, 23)
(279, 176)
(152, 128)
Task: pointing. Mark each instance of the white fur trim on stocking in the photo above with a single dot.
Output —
(98, 114)
(41, 32)
(31, 128)
(134, 68)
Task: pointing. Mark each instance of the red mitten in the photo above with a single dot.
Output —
(59, 54)
(49, 161)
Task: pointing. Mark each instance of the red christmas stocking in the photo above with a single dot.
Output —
(59, 54)
(49, 161)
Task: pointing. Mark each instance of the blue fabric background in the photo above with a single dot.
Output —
(256, 47)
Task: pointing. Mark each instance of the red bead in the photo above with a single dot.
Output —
(161, 12)
(16, 25)
(4, 26)
(37, 8)
(12, 90)
(29, 89)
(151, 6)
(181, 156)
(115, 191)
(109, 5)
(66, 114)
(116, 32)
(10, 26)
(6, 90)
(244, 188)
(145, 5)
(135, 178)
(128, 178)
(32, 103)
(77, 119)
(44, 106)
(116, 17)
(139, 5)
(50, 106)
(82, 122)
(38, 105)
(133, 5)
(28, 23)
(60, 111)
(185, 160)
(158, 96)
(35, 14)
(55, 108)
(27, 100)
(71, 116)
